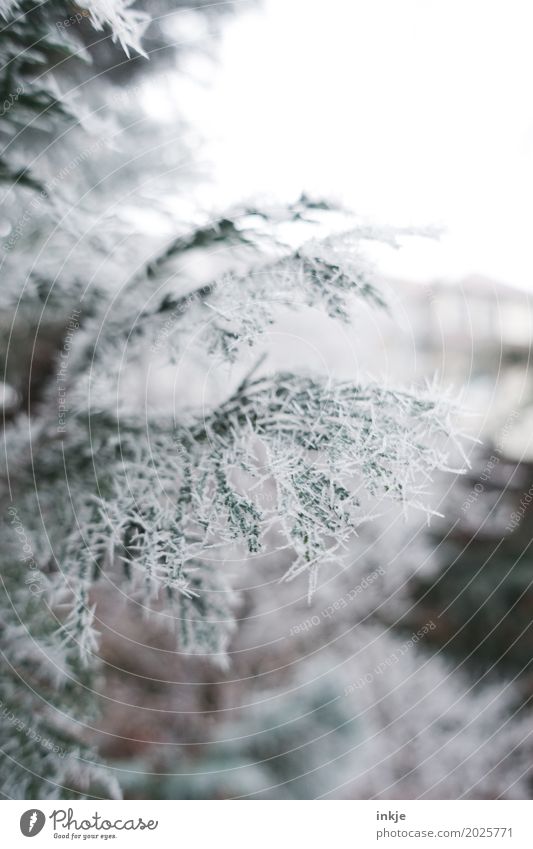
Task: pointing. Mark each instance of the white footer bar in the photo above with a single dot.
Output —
(269, 824)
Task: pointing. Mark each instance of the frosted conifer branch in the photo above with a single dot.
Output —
(127, 25)
(284, 462)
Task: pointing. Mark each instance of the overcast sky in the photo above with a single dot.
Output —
(411, 111)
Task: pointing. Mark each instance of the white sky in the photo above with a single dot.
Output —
(411, 111)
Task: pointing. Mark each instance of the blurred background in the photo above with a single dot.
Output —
(416, 116)
(409, 673)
